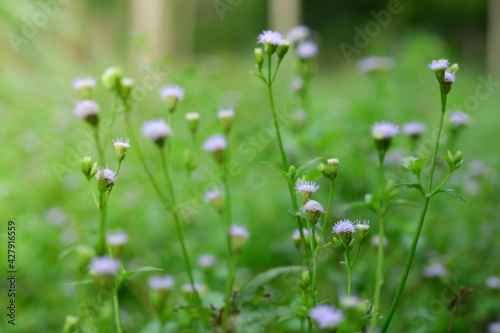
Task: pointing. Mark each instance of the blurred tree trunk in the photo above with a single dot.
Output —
(186, 22)
(493, 38)
(284, 14)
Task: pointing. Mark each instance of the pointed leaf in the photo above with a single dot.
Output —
(314, 174)
(414, 164)
(126, 274)
(76, 283)
(403, 202)
(278, 170)
(304, 166)
(453, 192)
(298, 213)
(415, 186)
(355, 204)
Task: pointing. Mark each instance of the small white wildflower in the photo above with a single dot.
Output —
(297, 84)
(296, 234)
(438, 65)
(300, 115)
(384, 130)
(344, 227)
(494, 328)
(212, 194)
(493, 282)
(271, 37)
(84, 83)
(164, 283)
(225, 113)
(172, 91)
(414, 128)
(103, 266)
(156, 129)
(127, 82)
(188, 288)
(326, 316)
(239, 232)
(192, 116)
(298, 33)
(119, 238)
(206, 260)
(305, 186)
(85, 108)
(459, 118)
(374, 63)
(449, 77)
(306, 50)
(106, 174)
(434, 270)
(362, 226)
(375, 240)
(312, 206)
(215, 143)
(119, 143)
(349, 302)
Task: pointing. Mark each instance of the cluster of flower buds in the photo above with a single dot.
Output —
(445, 73)
(89, 170)
(453, 161)
(273, 43)
(330, 169)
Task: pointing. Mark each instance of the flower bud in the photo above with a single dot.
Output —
(161, 288)
(292, 171)
(85, 86)
(111, 78)
(216, 198)
(313, 210)
(329, 170)
(189, 162)
(85, 253)
(121, 148)
(362, 228)
(238, 236)
(87, 166)
(296, 237)
(225, 116)
(126, 85)
(70, 324)
(305, 281)
(171, 94)
(216, 145)
(283, 49)
(259, 57)
(117, 242)
(104, 269)
(193, 119)
(453, 68)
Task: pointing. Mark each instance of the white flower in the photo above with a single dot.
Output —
(434, 270)
(161, 283)
(192, 116)
(362, 226)
(306, 187)
(84, 83)
(119, 143)
(156, 129)
(375, 240)
(306, 50)
(493, 282)
(326, 316)
(437, 65)
(459, 118)
(312, 206)
(414, 128)
(344, 226)
(373, 63)
(298, 33)
(297, 84)
(188, 288)
(215, 143)
(494, 328)
(384, 130)
(449, 77)
(237, 231)
(225, 113)
(119, 238)
(212, 195)
(300, 115)
(104, 266)
(206, 260)
(271, 37)
(127, 82)
(296, 234)
(86, 108)
(107, 174)
(349, 302)
(172, 91)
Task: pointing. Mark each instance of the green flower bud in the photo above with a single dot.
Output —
(331, 169)
(453, 68)
(121, 148)
(189, 162)
(85, 254)
(305, 281)
(259, 57)
(269, 48)
(292, 171)
(193, 119)
(70, 324)
(111, 78)
(87, 166)
(126, 85)
(225, 116)
(283, 49)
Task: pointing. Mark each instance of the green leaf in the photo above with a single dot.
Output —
(453, 192)
(278, 170)
(125, 275)
(259, 76)
(304, 166)
(355, 204)
(314, 174)
(403, 202)
(298, 213)
(249, 290)
(76, 283)
(415, 186)
(414, 164)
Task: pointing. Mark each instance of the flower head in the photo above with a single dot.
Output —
(297, 84)
(459, 118)
(84, 83)
(215, 143)
(439, 65)
(375, 241)
(493, 282)
(119, 143)
(225, 112)
(87, 109)
(434, 270)
(119, 238)
(308, 187)
(344, 227)
(350, 302)
(172, 91)
(188, 288)
(312, 206)
(414, 128)
(164, 283)
(206, 260)
(212, 194)
(192, 116)
(104, 266)
(306, 50)
(449, 77)
(239, 236)
(494, 328)
(157, 130)
(271, 37)
(298, 33)
(326, 316)
(296, 234)
(384, 130)
(374, 63)
(106, 174)
(362, 226)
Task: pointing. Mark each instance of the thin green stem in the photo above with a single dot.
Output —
(98, 145)
(420, 222)
(356, 254)
(101, 245)
(441, 185)
(349, 272)
(111, 189)
(93, 194)
(116, 307)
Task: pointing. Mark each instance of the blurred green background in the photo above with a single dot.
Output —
(207, 47)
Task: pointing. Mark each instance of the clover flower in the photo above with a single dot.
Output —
(434, 270)
(172, 91)
(374, 63)
(84, 83)
(307, 50)
(104, 266)
(459, 118)
(157, 130)
(298, 33)
(326, 316)
(160, 283)
(344, 227)
(271, 37)
(384, 130)
(206, 260)
(439, 65)
(414, 128)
